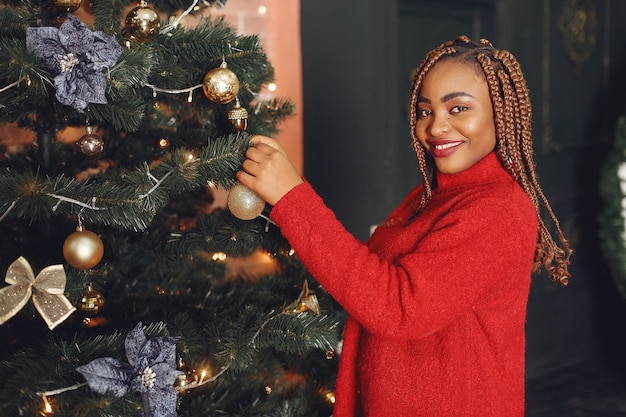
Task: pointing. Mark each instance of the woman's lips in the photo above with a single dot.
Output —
(442, 149)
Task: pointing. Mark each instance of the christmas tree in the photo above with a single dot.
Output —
(127, 291)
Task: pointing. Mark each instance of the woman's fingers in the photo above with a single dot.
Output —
(261, 154)
(267, 170)
(258, 140)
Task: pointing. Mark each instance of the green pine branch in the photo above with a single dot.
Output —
(122, 199)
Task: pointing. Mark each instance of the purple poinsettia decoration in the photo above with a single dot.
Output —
(151, 370)
(76, 57)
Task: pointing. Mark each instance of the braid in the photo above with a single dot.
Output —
(424, 164)
(513, 125)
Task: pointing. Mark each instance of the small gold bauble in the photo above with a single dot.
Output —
(244, 203)
(238, 116)
(83, 249)
(220, 85)
(66, 6)
(91, 145)
(91, 302)
(142, 23)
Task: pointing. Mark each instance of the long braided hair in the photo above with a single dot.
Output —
(512, 117)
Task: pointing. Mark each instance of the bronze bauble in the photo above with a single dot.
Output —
(91, 145)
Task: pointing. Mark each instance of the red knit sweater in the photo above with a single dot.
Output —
(437, 307)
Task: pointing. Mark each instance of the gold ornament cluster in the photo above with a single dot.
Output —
(221, 86)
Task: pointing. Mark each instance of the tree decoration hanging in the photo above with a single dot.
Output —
(238, 116)
(612, 219)
(220, 84)
(91, 302)
(244, 203)
(142, 23)
(151, 371)
(90, 144)
(46, 290)
(83, 249)
(76, 58)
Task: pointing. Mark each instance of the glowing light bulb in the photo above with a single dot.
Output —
(219, 256)
(330, 397)
(271, 86)
(47, 407)
(262, 9)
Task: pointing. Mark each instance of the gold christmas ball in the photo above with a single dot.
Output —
(91, 145)
(91, 301)
(83, 249)
(66, 6)
(238, 116)
(142, 23)
(244, 203)
(221, 85)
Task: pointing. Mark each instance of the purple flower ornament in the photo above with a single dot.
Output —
(151, 370)
(76, 57)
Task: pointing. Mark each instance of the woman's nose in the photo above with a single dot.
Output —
(438, 124)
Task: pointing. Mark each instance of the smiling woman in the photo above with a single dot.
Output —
(437, 296)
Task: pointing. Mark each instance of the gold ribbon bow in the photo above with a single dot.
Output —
(46, 290)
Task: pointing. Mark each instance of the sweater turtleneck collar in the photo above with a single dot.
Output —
(489, 169)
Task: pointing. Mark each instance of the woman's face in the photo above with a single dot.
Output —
(455, 116)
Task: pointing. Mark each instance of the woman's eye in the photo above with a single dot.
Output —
(458, 109)
(421, 113)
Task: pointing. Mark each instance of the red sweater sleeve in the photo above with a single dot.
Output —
(466, 252)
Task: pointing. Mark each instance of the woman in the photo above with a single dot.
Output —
(437, 296)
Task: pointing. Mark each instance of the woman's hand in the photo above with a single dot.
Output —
(268, 171)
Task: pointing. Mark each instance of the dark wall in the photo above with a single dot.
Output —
(357, 60)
